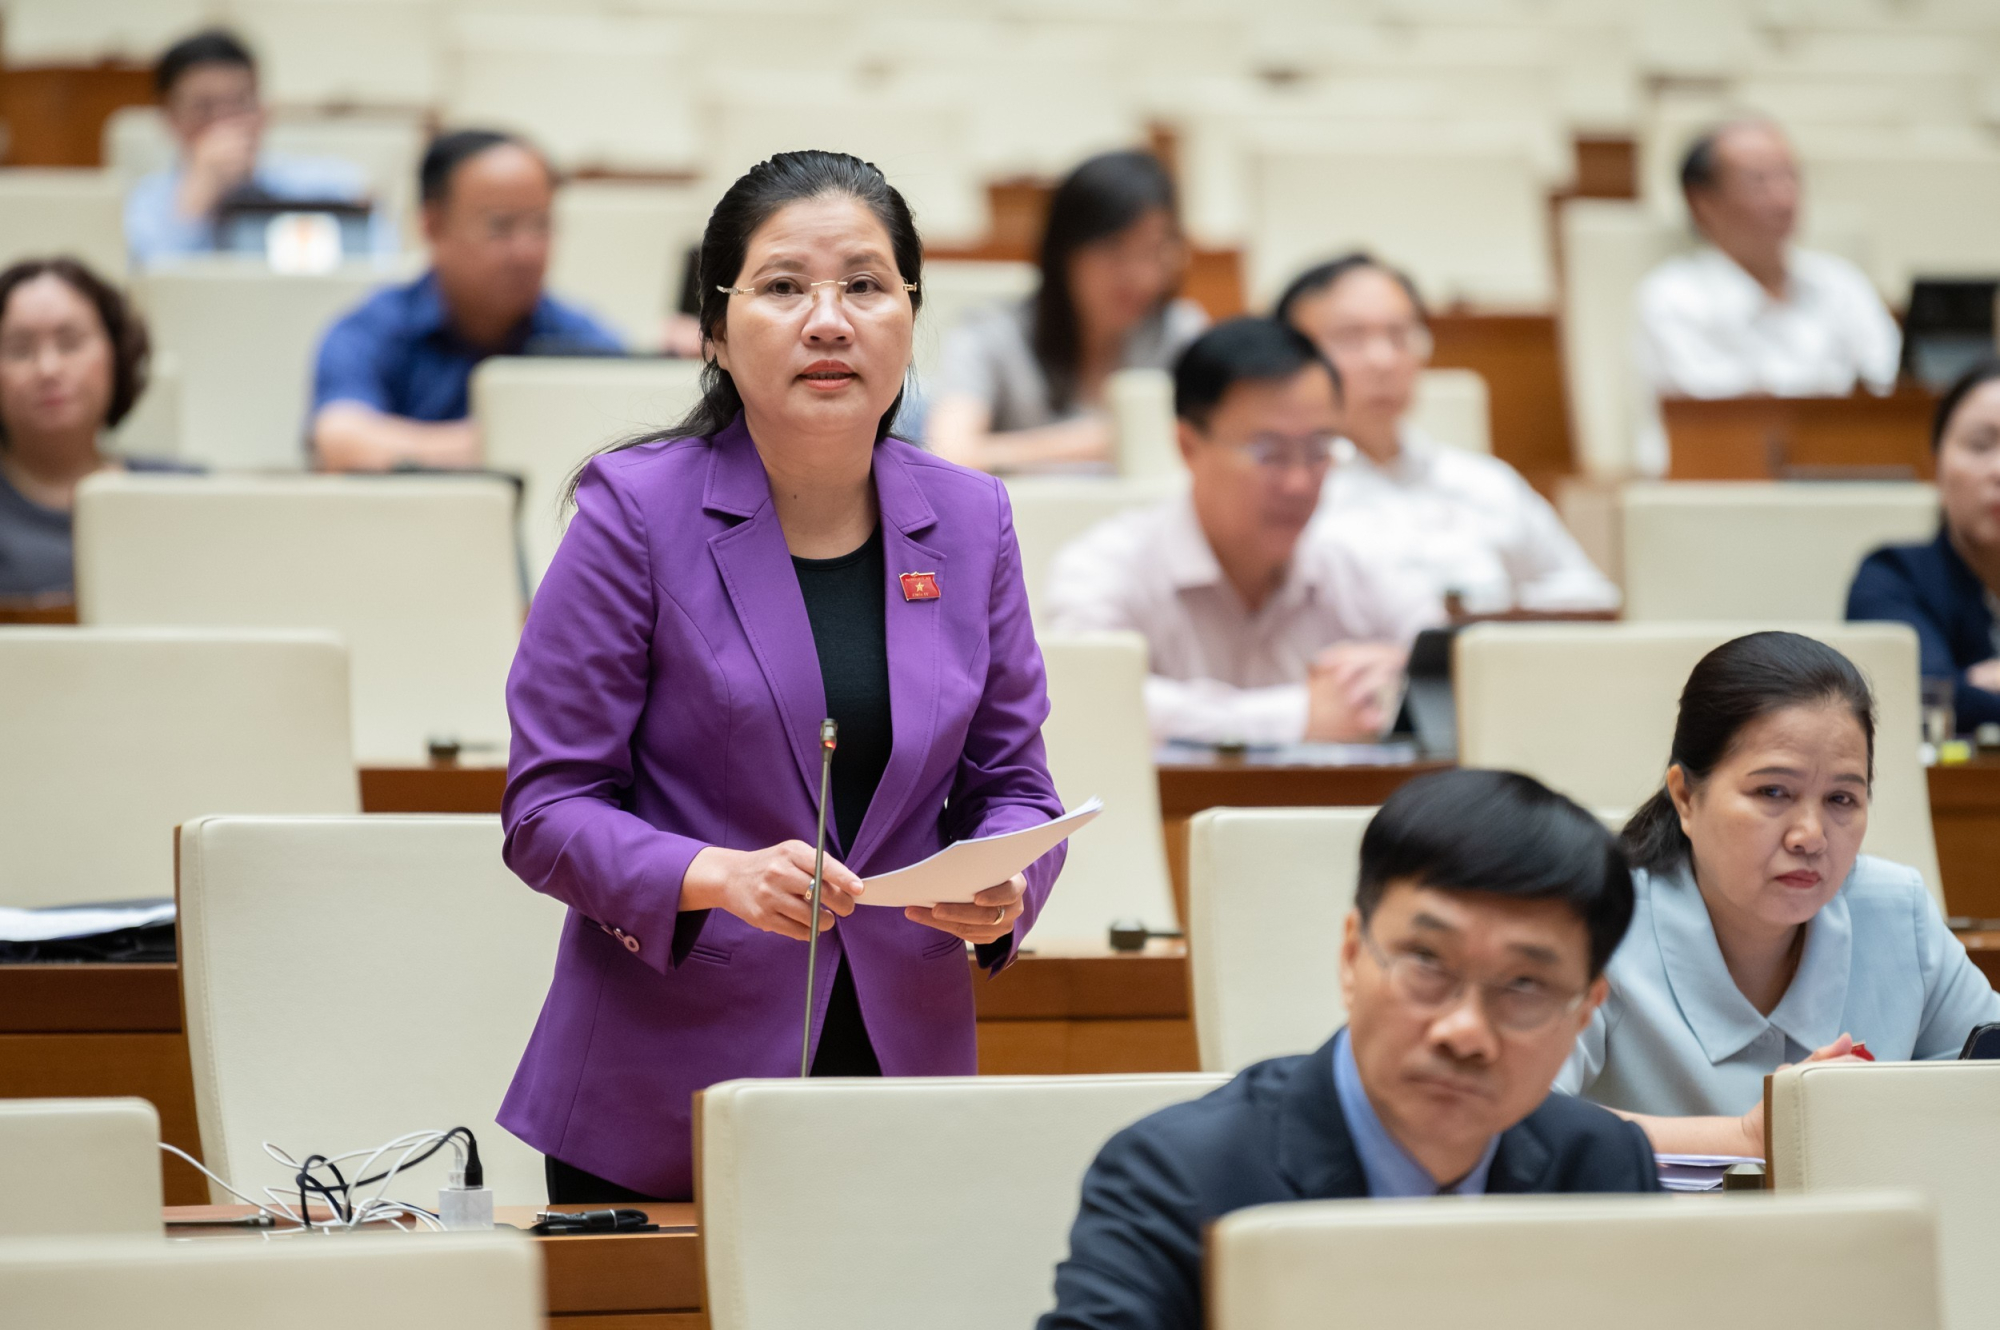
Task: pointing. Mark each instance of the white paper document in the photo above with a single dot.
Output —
(965, 868)
(59, 923)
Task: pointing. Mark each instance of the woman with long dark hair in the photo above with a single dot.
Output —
(1021, 387)
(724, 585)
(1763, 936)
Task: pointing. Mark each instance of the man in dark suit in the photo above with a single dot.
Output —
(1486, 909)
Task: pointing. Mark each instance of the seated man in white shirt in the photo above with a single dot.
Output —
(1748, 313)
(1455, 520)
(1264, 626)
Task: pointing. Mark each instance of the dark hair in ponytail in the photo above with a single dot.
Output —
(1739, 682)
(760, 192)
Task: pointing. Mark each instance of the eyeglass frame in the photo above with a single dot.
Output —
(840, 282)
(1294, 456)
(1460, 983)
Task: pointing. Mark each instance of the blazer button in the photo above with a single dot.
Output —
(631, 943)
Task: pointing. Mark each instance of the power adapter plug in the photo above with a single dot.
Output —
(466, 1203)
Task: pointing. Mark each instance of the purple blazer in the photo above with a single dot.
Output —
(666, 697)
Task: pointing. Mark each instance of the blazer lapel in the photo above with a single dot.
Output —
(756, 569)
(1521, 1162)
(914, 634)
(1315, 1152)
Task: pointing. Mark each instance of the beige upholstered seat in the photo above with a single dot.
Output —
(1451, 407)
(1143, 435)
(418, 574)
(620, 248)
(1268, 890)
(75, 1166)
(541, 417)
(1589, 709)
(45, 211)
(1099, 744)
(1926, 1125)
(1636, 1262)
(351, 979)
(113, 736)
(1051, 511)
(1608, 248)
(489, 1280)
(894, 1203)
(1776, 553)
(954, 288)
(246, 339)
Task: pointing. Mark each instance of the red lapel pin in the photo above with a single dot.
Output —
(919, 586)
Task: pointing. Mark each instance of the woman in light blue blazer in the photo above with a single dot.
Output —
(1762, 936)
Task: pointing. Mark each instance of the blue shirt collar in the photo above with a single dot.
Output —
(1384, 1162)
(1721, 1017)
(428, 317)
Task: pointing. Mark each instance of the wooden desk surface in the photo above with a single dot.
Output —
(1778, 438)
(647, 1281)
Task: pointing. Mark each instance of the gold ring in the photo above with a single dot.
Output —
(999, 914)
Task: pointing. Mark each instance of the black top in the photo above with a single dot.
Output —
(845, 601)
(1933, 590)
(1276, 1133)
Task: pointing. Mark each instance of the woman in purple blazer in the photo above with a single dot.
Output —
(775, 559)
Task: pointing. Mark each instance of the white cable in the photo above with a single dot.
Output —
(214, 1177)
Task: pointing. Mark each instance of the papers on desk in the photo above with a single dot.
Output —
(1697, 1172)
(965, 868)
(1391, 754)
(64, 922)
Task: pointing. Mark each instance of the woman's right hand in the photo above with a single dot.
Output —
(1840, 1050)
(769, 889)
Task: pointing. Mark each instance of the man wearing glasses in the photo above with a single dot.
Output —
(390, 390)
(207, 86)
(1459, 520)
(1263, 625)
(1486, 908)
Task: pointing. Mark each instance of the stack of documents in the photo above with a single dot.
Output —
(1697, 1172)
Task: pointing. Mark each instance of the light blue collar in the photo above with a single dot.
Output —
(1384, 1162)
(1721, 1017)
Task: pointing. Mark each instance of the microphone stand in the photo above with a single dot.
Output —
(827, 732)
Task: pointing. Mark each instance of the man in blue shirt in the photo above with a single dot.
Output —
(207, 85)
(1486, 909)
(389, 389)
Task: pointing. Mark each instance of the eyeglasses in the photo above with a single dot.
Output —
(1520, 1005)
(1273, 453)
(788, 293)
(1404, 339)
(26, 348)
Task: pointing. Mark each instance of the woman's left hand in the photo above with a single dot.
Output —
(990, 916)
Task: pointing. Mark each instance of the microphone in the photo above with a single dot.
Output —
(827, 732)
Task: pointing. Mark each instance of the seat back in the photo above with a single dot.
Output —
(46, 211)
(418, 573)
(1927, 1125)
(1590, 708)
(1144, 437)
(246, 339)
(1268, 891)
(75, 1166)
(1451, 407)
(619, 250)
(542, 417)
(1051, 511)
(931, 1241)
(491, 1280)
(1918, 207)
(399, 948)
(1608, 248)
(1468, 224)
(1099, 744)
(1522, 1263)
(113, 736)
(954, 288)
(1687, 545)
